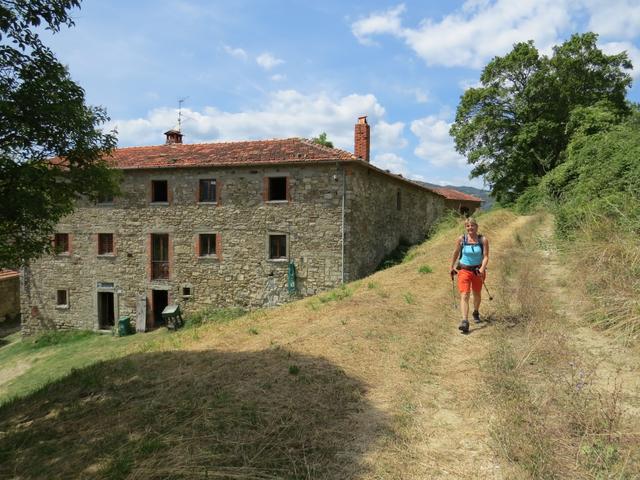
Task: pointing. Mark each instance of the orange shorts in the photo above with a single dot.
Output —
(467, 281)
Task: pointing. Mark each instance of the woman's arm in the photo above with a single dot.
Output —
(485, 254)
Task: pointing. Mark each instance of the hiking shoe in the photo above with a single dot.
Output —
(476, 316)
(464, 326)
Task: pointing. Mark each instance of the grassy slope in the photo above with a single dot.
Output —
(367, 381)
(320, 388)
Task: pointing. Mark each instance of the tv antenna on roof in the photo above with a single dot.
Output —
(180, 102)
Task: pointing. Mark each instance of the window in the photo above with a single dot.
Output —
(186, 292)
(61, 243)
(398, 200)
(207, 190)
(62, 298)
(105, 244)
(159, 191)
(277, 247)
(159, 256)
(277, 188)
(105, 199)
(207, 245)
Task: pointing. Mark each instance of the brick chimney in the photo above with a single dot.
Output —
(173, 136)
(362, 139)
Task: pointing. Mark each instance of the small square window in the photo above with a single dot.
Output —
(62, 298)
(207, 190)
(207, 245)
(277, 247)
(277, 188)
(61, 243)
(105, 244)
(159, 191)
(186, 291)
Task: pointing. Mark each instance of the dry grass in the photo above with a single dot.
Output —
(325, 387)
(607, 259)
(552, 419)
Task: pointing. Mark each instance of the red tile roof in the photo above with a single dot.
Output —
(451, 194)
(291, 150)
(6, 274)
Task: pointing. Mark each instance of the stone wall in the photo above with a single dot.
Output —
(383, 212)
(241, 274)
(9, 298)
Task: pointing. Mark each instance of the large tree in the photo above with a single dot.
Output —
(51, 143)
(513, 128)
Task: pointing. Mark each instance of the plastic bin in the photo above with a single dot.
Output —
(124, 326)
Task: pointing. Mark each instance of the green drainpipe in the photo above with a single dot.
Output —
(291, 278)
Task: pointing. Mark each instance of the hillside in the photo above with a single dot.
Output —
(369, 381)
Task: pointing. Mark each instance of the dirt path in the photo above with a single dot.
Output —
(613, 364)
(454, 420)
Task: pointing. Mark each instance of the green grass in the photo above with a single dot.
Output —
(45, 358)
(425, 269)
(214, 315)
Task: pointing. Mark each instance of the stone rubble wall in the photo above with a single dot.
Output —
(241, 276)
(375, 224)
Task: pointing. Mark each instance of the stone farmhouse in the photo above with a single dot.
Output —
(463, 203)
(249, 223)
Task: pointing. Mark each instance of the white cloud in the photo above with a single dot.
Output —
(378, 23)
(392, 162)
(421, 96)
(286, 113)
(616, 18)
(467, 83)
(435, 145)
(388, 136)
(613, 48)
(268, 61)
(278, 77)
(476, 33)
(465, 39)
(235, 52)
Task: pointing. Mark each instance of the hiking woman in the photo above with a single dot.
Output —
(469, 262)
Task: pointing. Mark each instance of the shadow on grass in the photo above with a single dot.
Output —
(177, 415)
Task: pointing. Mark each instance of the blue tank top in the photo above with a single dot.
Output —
(471, 253)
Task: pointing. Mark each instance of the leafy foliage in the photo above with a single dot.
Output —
(514, 127)
(600, 179)
(322, 140)
(51, 143)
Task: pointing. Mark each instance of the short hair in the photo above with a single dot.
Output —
(471, 221)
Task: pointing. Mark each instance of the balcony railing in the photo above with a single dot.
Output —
(159, 270)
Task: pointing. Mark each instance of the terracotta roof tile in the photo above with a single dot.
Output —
(451, 194)
(291, 150)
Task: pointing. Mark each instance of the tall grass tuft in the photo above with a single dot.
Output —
(605, 256)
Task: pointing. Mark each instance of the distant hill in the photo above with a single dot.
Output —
(483, 194)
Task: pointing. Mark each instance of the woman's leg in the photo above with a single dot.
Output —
(464, 305)
(477, 298)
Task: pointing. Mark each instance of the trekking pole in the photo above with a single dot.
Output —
(453, 292)
(485, 287)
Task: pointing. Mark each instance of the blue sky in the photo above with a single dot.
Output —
(292, 68)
